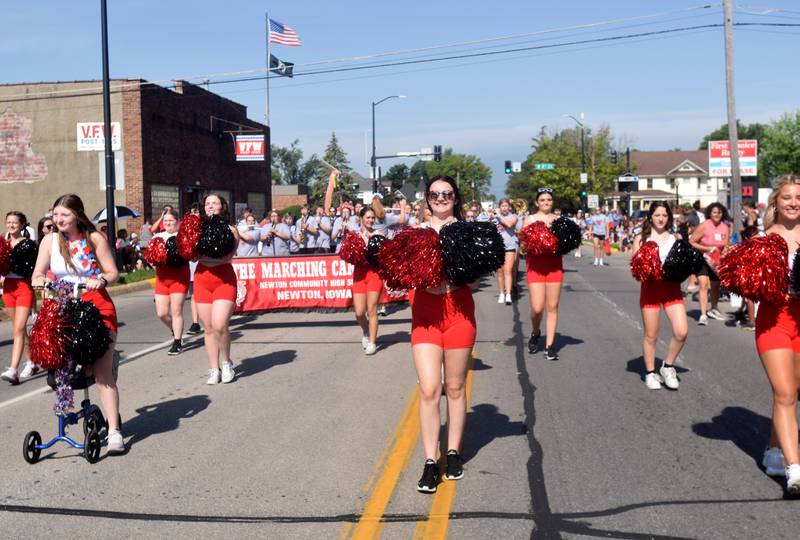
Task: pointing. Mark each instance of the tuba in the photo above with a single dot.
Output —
(520, 205)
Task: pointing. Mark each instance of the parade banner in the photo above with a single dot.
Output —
(298, 282)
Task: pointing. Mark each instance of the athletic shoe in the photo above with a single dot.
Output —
(793, 480)
(28, 371)
(550, 353)
(227, 372)
(773, 462)
(454, 466)
(692, 288)
(653, 381)
(364, 341)
(430, 477)
(716, 315)
(533, 342)
(508, 299)
(501, 299)
(194, 329)
(382, 310)
(669, 376)
(702, 321)
(10, 375)
(115, 444)
(370, 349)
(176, 349)
(213, 376)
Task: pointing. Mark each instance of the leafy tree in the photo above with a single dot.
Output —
(336, 157)
(398, 174)
(472, 175)
(418, 172)
(780, 151)
(746, 131)
(288, 166)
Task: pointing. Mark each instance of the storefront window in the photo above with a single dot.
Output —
(258, 202)
(161, 195)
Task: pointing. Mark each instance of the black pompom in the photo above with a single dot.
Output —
(89, 337)
(795, 274)
(373, 246)
(23, 257)
(470, 250)
(568, 233)
(682, 261)
(217, 240)
(174, 258)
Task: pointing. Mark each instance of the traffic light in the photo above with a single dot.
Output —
(583, 194)
(437, 152)
(614, 156)
(508, 167)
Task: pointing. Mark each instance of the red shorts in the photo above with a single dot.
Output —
(544, 269)
(214, 283)
(446, 320)
(102, 301)
(655, 294)
(17, 292)
(365, 280)
(778, 326)
(172, 280)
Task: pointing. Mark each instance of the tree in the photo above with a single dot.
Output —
(336, 157)
(780, 151)
(398, 174)
(418, 172)
(746, 131)
(287, 165)
(471, 174)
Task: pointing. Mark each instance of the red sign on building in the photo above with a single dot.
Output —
(250, 148)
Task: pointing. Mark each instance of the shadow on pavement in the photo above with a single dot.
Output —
(387, 340)
(748, 430)
(479, 365)
(257, 364)
(486, 423)
(162, 417)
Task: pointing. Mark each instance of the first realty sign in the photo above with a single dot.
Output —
(91, 136)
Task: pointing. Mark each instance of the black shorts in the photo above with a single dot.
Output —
(599, 236)
(511, 250)
(706, 270)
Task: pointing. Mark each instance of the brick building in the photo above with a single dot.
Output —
(175, 147)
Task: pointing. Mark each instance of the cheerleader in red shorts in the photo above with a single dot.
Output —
(78, 253)
(544, 275)
(18, 298)
(215, 296)
(172, 284)
(367, 288)
(654, 295)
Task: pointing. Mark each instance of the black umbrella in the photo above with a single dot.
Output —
(121, 213)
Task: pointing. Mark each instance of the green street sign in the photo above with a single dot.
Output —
(545, 166)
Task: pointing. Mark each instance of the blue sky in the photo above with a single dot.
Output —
(656, 93)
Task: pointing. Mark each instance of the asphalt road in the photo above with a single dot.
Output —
(315, 440)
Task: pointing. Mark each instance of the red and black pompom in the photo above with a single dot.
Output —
(353, 250)
(411, 260)
(5, 257)
(156, 252)
(373, 247)
(682, 261)
(217, 240)
(189, 231)
(49, 337)
(23, 257)
(568, 233)
(646, 264)
(89, 337)
(757, 269)
(538, 239)
(470, 250)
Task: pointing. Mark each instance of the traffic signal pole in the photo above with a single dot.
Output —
(733, 130)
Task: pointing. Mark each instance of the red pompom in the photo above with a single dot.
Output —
(538, 239)
(354, 250)
(411, 260)
(49, 336)
(189, 232)
(757, 269)
(156, 252)
(5, 256)
(646, 264)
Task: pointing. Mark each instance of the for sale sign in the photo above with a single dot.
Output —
(719, 158)
(250, 148)
(91, 136)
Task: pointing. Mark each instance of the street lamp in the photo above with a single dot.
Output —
(374, 161)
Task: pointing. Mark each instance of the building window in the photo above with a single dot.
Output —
(258, 202)
(649, 183)
(671, 183)
(161, 195)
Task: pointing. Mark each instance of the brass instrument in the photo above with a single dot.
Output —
(520, 205)
(302, 233)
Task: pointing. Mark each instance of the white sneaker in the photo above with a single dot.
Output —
(653, 381)
(10, 375)
(213, 376)
(508, 299)
(793, 480)
(501, 299)
(28, 371)
(364, 341)
(773, 462)
(716, 315)
(382, 310)
(370, 349)
(669, 376)
(702, 321)
(227, 372)
(115, 444)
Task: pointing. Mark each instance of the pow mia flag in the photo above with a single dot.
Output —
(280, 67)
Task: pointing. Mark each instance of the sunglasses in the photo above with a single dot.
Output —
(434, 195)
(545, 190)
(48, 227)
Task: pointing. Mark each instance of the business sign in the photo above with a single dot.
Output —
(719, 158)
(250, 147)
(305, 282)
(91, 136)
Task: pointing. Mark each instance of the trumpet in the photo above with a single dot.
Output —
(520, 205)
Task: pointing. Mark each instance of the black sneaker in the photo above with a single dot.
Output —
(454, 468)
(176, 349)
(533, 343)
(194, 329)
(430, 477)
(550, 353)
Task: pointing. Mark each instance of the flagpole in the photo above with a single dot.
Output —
(269, 64)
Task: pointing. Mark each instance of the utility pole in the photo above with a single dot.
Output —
(733, 131)
(111, 213)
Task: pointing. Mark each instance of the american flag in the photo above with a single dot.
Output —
(282, 35)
